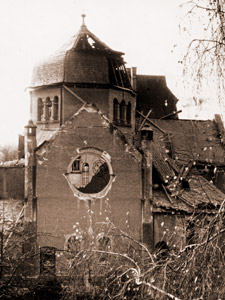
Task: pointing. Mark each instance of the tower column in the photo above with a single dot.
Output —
(30, 171)
(54, 106)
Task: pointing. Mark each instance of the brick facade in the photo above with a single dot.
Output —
(58, 209)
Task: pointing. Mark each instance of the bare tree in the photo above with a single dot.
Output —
(8, 153)
(205, 59)
(110, 264)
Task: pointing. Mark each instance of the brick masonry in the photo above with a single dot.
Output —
(58, 209)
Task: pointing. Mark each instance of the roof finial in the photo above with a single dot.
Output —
(83, 16)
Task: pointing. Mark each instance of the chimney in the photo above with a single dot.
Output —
(134, 78)
(147, 197)
(30, 169)
(20, 146)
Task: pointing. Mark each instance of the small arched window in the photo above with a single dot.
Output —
(40, 109)
(123, 112)
(76, 165)
(116, 110)
(129, 113)
(48, 109)
(85, 174)
(55, 109)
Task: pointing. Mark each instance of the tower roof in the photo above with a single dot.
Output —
(83, 59)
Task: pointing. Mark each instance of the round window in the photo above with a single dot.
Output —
(90, 173)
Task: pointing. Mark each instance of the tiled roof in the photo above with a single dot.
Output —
(201, 195)
(153, 93)
(201, 192)
(81, 60)
(163, 164)
(191, 140)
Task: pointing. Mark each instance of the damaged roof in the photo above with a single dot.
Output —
(190, 140)
(201, 194)
(49, 136)
(83, 59)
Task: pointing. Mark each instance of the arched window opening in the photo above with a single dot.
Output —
(55, 109)
(123, 112)
(85, 174)
(129, 113)
(116, 110)
(40, 109)
(47, 109)
(76, 165)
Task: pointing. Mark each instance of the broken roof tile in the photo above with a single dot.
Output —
(191, 140)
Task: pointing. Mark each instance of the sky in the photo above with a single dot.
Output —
(147, 31)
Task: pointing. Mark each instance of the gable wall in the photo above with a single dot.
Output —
(59, 209)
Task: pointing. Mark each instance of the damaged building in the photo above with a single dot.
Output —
(106, 140)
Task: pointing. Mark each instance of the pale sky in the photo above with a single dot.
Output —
(145, 30)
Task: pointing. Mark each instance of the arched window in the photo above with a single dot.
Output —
(55, 109)
(76, 165)
(116, 110)
(47, 109)
(48, 104)
(129, 113)
(85, 174)
(123, 112)
(40, 109)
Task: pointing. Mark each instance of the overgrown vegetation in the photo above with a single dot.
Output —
(115, 266)
(8, 153)
(107, 263)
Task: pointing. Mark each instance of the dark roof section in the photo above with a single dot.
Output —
(153, 93)
(83, 59)
(164, 164)
(190, 140)
(201, 195)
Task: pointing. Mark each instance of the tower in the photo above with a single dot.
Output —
(85, 70)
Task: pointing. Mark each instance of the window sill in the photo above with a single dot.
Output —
(48, 122)
(121, 124)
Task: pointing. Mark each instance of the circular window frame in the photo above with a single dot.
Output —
(102, 155)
